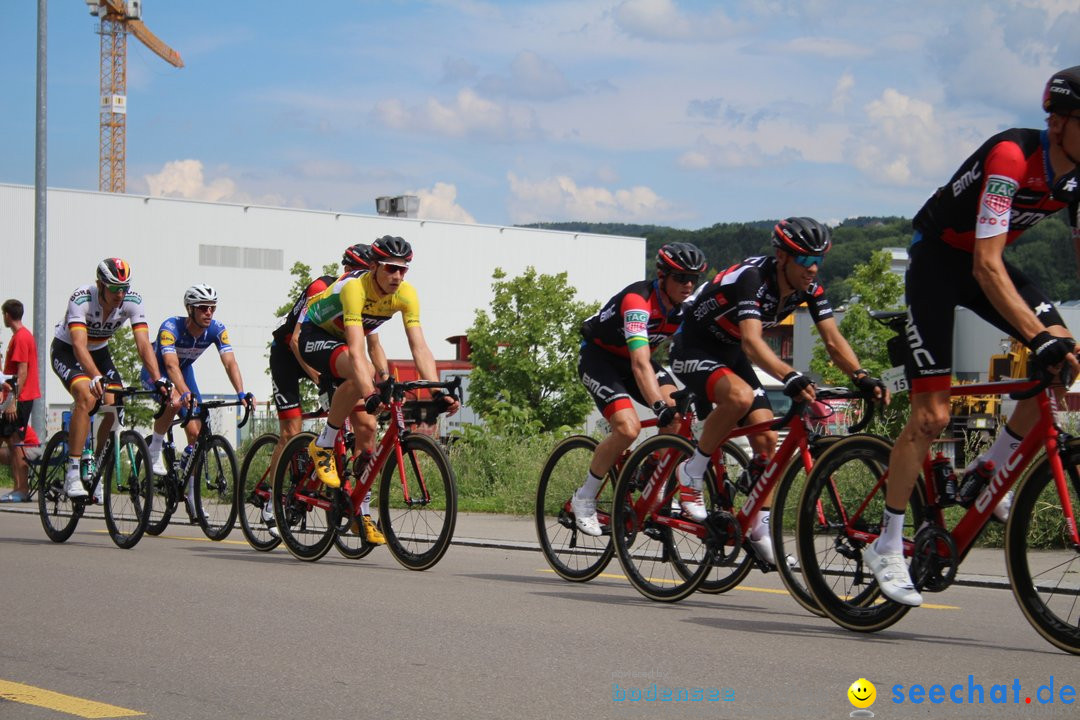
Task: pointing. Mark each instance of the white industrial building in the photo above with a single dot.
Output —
(246, 251)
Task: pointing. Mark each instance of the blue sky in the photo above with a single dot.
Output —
(673, 112)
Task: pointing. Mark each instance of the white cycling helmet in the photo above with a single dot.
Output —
(200, 295)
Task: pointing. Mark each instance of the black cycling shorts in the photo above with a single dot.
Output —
(285, 376)
(939, 278)
(68, 369)
(17, 427)
(610, 379)
(699, 364)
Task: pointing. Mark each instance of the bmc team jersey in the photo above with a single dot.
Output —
(173, 338)
(287, 324)
(1002, 188)
(354, 299)
(635, 317)
(747, 290)
(84, 311)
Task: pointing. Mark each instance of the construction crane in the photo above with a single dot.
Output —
(117, 18)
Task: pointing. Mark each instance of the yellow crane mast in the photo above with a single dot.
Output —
(118, 17)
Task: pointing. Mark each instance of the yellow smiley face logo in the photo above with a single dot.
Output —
(862, 693)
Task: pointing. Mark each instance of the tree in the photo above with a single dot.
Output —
(875, 288)
(525, 352)
(138, 410)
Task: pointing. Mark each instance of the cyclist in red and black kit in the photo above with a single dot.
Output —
(721, 336)
(287, 368)
(1017, 178)
(616, 363)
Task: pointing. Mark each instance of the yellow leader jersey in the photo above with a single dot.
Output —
(355, 300)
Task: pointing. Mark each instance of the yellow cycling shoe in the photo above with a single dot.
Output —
(371, 533)
(325, 466)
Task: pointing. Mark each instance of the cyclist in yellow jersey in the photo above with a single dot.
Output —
(332, 342)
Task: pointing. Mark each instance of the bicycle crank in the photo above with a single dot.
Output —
(933, 559)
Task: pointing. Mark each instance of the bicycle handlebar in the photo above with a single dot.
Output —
(831, 393)
(205, 408)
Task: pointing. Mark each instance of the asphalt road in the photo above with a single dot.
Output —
(180, 627)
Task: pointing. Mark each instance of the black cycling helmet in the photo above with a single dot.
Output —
(390, 248)
(357, 256)
(114, 271)
(802, 236)
(1062, 94)
(680, 257)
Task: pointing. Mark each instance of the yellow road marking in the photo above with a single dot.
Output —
(30, 695)
(744, 588)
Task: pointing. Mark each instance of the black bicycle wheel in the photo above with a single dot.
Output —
(666, 558)
(786, 495)
(1044, 566)
(165, 496)
(305, 527)
(844, 497)
(724, 575)
(572, 554)
(350, 541)
(253, 493)
(215, 488)
(129, 489)
(59, 515)
(418, 503)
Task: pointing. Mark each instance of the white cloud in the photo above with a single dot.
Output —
(440, 203)
(561, 199)
(824, 47)
(468, 115)
(184, 179)
(662, 20)
(903, 142)
(842, 92)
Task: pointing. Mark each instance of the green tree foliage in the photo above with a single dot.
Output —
(525, 353)
(139, 411)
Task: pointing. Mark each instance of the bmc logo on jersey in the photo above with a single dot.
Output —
(999, 193)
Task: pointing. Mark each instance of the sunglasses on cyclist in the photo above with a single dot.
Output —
(206, 308)
(809, 260)
(683, 278)
(117, 288)
(392, 269)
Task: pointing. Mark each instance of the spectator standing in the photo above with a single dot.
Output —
(21, 364)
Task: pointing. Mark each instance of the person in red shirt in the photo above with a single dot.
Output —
(21, 367)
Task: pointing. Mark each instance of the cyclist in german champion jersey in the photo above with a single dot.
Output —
(616, 363)
(1013, 181)
(287, 368)
(179, 343)
(721, 335)
(80, 354)
(332, 334)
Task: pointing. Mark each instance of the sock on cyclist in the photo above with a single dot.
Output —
(326, 437)
(73, 465)
(697, 464)
(761, 524)
(156, 441)
(365, 504)
(999, 452)
(891, 540)
(591, 486)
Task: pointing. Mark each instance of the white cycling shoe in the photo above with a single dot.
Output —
(690, 495)
(585, 515)
(892, 576)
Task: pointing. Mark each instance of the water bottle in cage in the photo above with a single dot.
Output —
(974, 482)
(944, 478)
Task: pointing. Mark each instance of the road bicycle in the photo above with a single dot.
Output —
(572, 554)
(254, 506)
(840, 510)
(667, 556)
(210, 465)
(122, 478)
(417, 495)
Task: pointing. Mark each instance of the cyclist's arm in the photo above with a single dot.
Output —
(378, 356)
(294, 346)
(146, 350)
(82, 351)
(232, 369)
(425, 362)
(759, 352)
(837, 346)
(361, 368)
(174, 373)
(644, 375)
(988, 266)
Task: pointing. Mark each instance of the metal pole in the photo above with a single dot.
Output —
(40, 186)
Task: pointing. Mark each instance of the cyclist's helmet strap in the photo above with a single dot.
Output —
(680, 257)
(390, 248)
(802, 236)
(1062, 93)
(114, 271)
